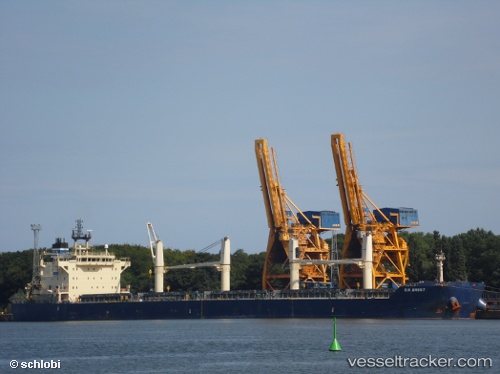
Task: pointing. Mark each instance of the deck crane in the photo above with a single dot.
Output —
(371, 232)
(156, 246)
(223, 265)
(289, 225)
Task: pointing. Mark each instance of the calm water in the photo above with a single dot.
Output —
(243, 346)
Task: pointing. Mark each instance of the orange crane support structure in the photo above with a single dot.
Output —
(362, 217)
(284, 223)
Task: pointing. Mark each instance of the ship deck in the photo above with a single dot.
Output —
(326, 293)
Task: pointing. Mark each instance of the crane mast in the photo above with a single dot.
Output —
(156, 246)
(371, 232)
(286, 222)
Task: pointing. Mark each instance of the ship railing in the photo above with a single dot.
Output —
(491, 297)
(107, 298)
(266, 294)
(336, 294)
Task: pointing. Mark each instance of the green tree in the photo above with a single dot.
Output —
(15, 272)
(454, 265)
(421, 253)
(239, 265)
(482, 250)
(253, 272)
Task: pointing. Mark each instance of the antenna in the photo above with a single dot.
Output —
(77, 233)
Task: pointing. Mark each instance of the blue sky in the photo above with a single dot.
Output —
(124, 112)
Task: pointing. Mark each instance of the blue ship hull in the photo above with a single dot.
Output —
(422, 301)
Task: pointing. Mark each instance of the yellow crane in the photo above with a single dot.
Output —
(370, 231)
(286, 222)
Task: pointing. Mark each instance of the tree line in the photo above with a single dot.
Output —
(472, 256)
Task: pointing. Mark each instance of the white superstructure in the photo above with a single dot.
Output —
(80, 271)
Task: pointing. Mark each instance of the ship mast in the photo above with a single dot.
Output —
(36, 278)
(439, 263)
(77, 234)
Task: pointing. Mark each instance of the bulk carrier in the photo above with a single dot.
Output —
(302, 276)
(81, 284)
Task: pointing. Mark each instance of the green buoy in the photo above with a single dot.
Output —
(335, 346)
